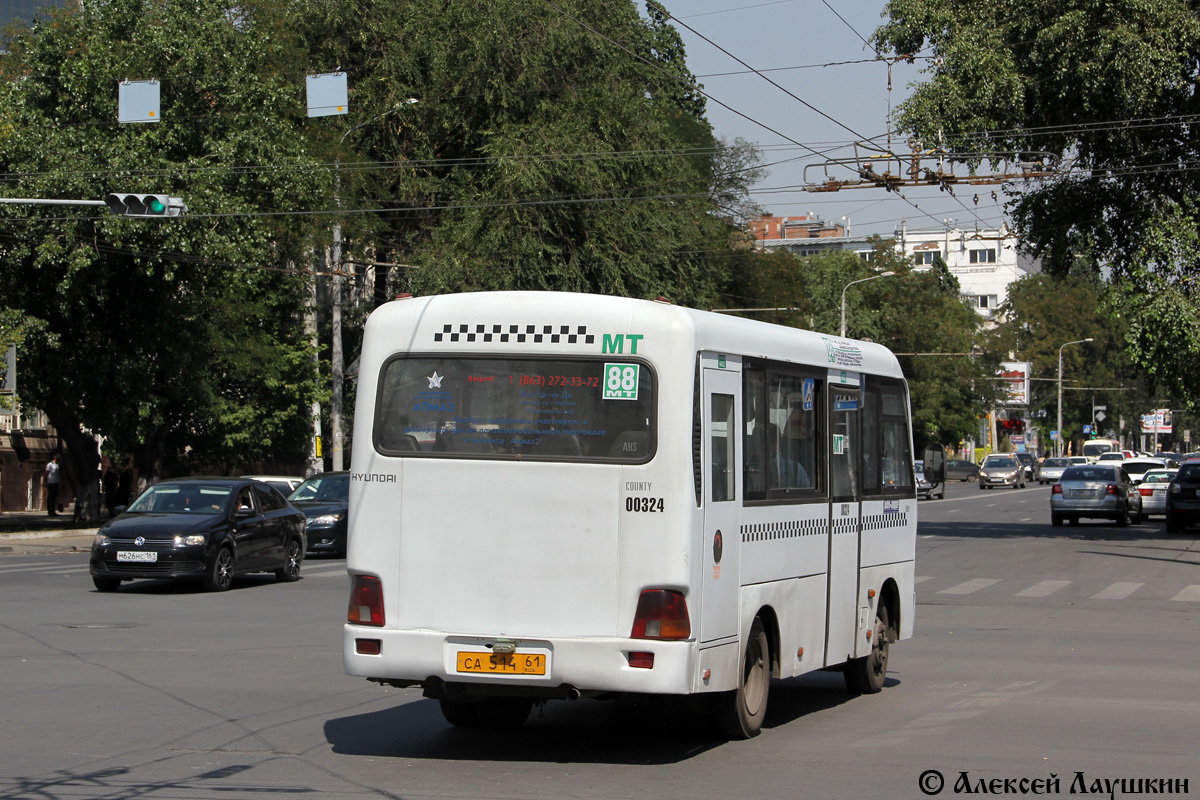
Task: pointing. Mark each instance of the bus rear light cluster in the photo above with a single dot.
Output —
(366, 601)
(641, 660)
(661, 614)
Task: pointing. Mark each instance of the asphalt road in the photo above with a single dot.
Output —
(1038, 652)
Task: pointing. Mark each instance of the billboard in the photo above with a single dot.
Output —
(1014, 375)
(1157, 421)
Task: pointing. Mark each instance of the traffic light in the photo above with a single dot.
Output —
(145, 205)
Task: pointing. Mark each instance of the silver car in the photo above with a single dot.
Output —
(1052, 469)
(1153, 490)
(1104, 491)
(1001, 469)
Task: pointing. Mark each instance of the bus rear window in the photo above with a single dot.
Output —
(516, 408)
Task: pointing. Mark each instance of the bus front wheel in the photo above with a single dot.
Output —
(740, 713)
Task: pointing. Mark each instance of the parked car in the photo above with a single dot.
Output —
(286, 485)
(1137, 467)
(1052, 469)
(1103, 491)
(1153, 489)
(1001, 469)
(1032, 467)
(206, 528)
(1183, 497)
(926, 489)
(958, 470)
(325, 500)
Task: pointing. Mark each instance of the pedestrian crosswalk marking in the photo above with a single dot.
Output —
(1118, 591)
(973, 585)
(1043, 589)
(1191, 594)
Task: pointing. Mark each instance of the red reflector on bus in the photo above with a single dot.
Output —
(661, 614)
(366, 601)
(368, 647)
(641, 660)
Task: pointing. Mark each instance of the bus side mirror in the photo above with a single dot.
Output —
(935, 463)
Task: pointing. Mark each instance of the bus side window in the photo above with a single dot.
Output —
(722, 448)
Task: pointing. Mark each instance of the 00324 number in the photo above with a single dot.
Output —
(650, 505)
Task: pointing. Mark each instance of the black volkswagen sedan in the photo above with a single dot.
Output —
(207, 528)
(325, 500)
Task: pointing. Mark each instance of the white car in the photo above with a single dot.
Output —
(1153, 490)
(1115, 455)
(284, 483)
(1137, 467)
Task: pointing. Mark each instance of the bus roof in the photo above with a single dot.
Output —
(586, 324)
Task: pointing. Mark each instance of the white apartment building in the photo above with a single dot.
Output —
(985, 262)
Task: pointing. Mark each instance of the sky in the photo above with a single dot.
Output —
(831, 93)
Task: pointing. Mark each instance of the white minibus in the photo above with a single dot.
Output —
(563, 495)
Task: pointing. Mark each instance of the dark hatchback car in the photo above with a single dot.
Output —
(325, 500)
(1183, 497)
(959, 470)
(206, 528)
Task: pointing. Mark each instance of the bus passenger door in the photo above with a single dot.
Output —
(845, 453)
(721, 410)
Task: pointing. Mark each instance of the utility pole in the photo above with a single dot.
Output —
(339, 368)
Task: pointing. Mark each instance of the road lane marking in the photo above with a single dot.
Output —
(19, 567)
(24, 569)
(1117, 591)
(1189, 594)
(973, 585)
(1043, 589)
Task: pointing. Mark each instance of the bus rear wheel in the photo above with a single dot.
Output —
(866, 675)
(740, 713)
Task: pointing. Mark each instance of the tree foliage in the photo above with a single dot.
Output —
(1109, 90)
(160, 335)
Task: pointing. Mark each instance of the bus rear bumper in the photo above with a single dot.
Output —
(571, 667)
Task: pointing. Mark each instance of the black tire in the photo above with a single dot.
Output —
(1123, 517)
(503, 713)
(460, 713)
(866, 675)
(740, 713)
(105, 584)
(1136, 519)
(220, 574)
(972, 478)
(292, 558)
(1173, 525)
(1056, 520)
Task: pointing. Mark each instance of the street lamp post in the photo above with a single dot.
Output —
(1059, 443)
(847, 286)
(335, 321)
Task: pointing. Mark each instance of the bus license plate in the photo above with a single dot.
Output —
(137, 555)
(502, 663)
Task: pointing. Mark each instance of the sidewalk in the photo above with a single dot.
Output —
(33, 532)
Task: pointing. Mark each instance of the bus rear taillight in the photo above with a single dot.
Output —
(366, 601)
(661, 614)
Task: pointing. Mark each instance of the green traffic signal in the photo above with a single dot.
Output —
(145, 205)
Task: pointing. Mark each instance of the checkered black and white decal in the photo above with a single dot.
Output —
(504, 334)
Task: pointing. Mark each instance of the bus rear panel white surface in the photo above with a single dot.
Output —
(556, 495)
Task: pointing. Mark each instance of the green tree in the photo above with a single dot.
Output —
(1108, 90)
(552, 146)
(1042, 314)
(161, 335)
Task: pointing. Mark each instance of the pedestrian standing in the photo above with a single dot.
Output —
(52, 486)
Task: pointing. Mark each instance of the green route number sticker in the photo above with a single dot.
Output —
(621, 381)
